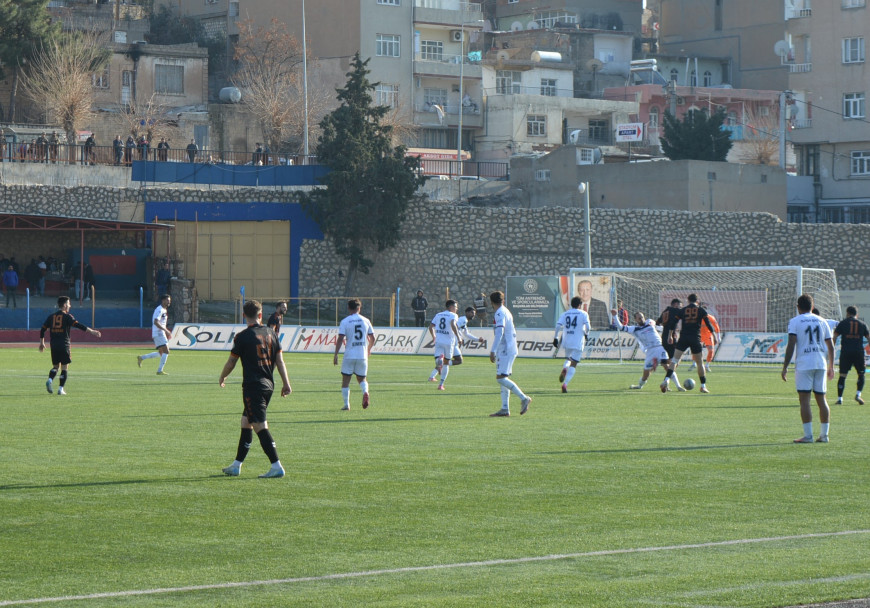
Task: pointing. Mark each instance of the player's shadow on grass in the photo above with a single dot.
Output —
(97, 484)
(685, 448)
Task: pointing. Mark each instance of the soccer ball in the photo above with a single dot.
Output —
(689, 384)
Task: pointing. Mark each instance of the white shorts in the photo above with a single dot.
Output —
(504, 363)
(443, 350)
(575, 354)
(359, 367)
(815, 380)
(656, 352)
(160, 340)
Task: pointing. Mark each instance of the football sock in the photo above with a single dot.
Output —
(163, 359)
(512, 387)
(505, 396)
(268, 445)
(52, 373)
(860, 383)
(62, 377)
(433, 374)
(675, 379)
(444, 371)
(841, 386)
(808, 429)
(570, 374)
(641, 382)
(824, 428)
(364, 385)
(345, 393)
(244, 445)
(151, 355)
(703, 380)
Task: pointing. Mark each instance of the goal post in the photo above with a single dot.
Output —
(742, 298)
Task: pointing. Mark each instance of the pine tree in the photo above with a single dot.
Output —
(370, 183)
(697, 137)
(25, 26)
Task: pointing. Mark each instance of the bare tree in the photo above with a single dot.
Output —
(269, 75)
(403, 130)
(60, 80)
(760, 145)
(150, 118)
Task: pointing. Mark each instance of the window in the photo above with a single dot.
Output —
(536, 125)
(732, 119)
(101, 80)
(853, 3)
(435, 97)
(542, 175)
(861, 162)
(389, 2)
(548, 87)
(387, 45)
(508, 82)
(693, 79)
(549, 19)
(853, 105)
(387, 95)
(853, 50)
(654, 117)
(599, 130)
(513, 1)
(233, 9)
(432, 50)
(708, 79)
(674, 74)
(169, 79)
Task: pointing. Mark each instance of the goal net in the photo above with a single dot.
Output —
(746, 299)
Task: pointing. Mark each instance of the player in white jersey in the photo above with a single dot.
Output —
(445, 333)
(464, 335)
(502, 353)
(650, 343)
(809, 336)
(357, 332)
(574, 325)
(160, 334)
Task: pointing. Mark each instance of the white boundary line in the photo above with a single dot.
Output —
(480, 564)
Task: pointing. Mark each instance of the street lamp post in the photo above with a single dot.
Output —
(583, 188)
(304, 88)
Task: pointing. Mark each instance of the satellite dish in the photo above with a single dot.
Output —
(516, 26)
(533, 25)
(781, 48)
(593, 65)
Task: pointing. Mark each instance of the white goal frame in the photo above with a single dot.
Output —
(827, 296)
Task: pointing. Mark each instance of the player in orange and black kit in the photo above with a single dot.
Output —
(690, 339)
(277, 318)
(668, 321)
(852, 332)
(260, 351)
(59, 325)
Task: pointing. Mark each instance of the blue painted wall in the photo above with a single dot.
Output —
(302, 227)
(227, 175)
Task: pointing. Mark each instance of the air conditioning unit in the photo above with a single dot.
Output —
(681, 101)
(456, 35)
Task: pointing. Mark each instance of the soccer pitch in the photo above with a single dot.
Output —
(113, 494)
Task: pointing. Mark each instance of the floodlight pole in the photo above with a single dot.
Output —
(304, 87)
(583, 188)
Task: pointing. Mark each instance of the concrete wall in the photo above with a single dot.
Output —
(493, 243)
(678, 185)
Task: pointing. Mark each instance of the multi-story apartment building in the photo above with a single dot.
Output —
(827, 74)
(742, 31)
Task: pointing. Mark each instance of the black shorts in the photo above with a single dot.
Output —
(690, 343)
(669, 348)
(256, 401)
(60, 355)
(851, 359)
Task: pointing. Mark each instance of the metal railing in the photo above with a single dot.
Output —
(28, 152)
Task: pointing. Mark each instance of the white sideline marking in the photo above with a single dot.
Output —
(492, 562)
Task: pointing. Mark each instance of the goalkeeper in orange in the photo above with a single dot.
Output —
(707, 338)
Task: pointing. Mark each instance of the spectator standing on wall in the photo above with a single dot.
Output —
(117, 149)
(10, 281)
(163, 150)
(192, 150)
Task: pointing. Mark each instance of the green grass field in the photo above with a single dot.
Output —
(113, 495)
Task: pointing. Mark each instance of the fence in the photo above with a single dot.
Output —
(327, 311)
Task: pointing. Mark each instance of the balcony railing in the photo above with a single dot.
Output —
(800, 68)
(853, 3)
(449, 5)
(796, 9)
(444, 58)
(800, 123)
(451, 108)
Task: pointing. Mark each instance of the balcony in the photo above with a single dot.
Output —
(798, 9)
(799, 68)
(800, 123)
(427, 115)
(449, 12)
(443, 64)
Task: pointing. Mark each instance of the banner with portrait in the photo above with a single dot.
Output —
(594, 292)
